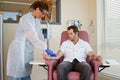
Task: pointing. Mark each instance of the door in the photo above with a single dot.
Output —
(1, 48)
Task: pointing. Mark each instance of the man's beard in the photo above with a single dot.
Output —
(73, 39)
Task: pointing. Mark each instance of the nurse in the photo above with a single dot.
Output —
(28, 35)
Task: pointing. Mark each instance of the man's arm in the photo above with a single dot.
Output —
(94, 56)
(59, 54)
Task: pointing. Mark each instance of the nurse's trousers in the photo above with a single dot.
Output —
(24, 78)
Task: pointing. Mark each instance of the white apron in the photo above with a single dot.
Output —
(21, 49)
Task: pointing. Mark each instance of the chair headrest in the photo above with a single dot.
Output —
(82, 35)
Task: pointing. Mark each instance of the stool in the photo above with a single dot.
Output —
(73, 76)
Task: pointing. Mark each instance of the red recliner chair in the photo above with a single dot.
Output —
(52, 64)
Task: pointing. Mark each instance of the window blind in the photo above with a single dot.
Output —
(112, 33)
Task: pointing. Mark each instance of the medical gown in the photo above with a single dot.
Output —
(21, 49)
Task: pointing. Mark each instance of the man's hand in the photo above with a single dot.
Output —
(98, 58)
(46, 56)
(94, 56)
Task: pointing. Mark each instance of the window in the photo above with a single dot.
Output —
(14, 9)
(110, 33)
(112, 29)
(11, 17)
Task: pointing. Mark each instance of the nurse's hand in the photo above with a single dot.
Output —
(51, 53)
(47, 57)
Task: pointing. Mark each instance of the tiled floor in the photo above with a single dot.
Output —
(103, 77)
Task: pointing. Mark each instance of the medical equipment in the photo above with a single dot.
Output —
(47, 31)
(47, 35)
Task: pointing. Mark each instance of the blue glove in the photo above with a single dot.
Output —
(51, 53)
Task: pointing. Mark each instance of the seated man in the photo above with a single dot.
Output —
(75, 51)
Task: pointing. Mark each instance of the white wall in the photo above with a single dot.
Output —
(9, 31)
(84, 10)
(92, 26)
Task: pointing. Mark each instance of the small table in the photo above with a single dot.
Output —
(103, 67)
(39, 63)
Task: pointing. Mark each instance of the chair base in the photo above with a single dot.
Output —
(73, 76)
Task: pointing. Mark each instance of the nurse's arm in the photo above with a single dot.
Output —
(31, 34)
(59, 55)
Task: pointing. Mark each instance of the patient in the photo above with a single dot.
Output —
(75, 51)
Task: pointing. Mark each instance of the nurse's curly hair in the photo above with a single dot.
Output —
(39, 4)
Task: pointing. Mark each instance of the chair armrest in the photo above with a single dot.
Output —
(95, 66)
(52, 64)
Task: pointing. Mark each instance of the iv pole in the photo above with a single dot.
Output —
(48, 32)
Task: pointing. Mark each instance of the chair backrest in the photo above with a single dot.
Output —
(82, 35)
